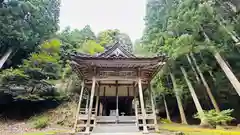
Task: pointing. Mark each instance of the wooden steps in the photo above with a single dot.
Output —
(84, 125)
(85, 117)
(150, 117)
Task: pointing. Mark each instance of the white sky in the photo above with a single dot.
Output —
(125, 15)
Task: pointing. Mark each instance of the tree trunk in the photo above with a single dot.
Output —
(166, 108)
(233, 34)
(195, 99)
(5, 57)
(232, 78)
(179, 102)
(194, 70)
(205, 84)
(210, 72)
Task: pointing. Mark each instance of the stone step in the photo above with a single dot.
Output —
(115, 128)
(108, 119)
(131, 133)
(85, 125)
(85, 117)
(148, 125)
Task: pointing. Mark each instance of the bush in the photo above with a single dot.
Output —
(216, 118)
(40, 122)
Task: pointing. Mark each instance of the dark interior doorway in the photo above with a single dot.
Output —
(124, 105)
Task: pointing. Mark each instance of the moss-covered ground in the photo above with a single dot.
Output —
(196, 130)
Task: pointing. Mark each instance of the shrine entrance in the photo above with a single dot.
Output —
(116, 82)
(110, 106)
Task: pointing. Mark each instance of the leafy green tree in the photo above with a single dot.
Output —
(109, 37)
(126, 41)
(92, 47)
(24, 25)
(36, 74)
(74, 41)
(45, 63)
(200, 36)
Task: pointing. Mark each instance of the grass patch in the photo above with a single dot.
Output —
(41, 133)
(194, 130)
(47, 132)
(40, 122)
(164, 121)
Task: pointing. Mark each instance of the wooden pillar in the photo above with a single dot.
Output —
(96, 106)
(79, 105)
(90, 105)
(153, 108)
(87, 104)
(117, 111)
(101, 109)
(103, 101)
(135, 105)
(145, 130)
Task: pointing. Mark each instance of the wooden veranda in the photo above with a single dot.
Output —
(116, 80)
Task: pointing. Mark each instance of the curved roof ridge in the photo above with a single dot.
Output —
(112, 48)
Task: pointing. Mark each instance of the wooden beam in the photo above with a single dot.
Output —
(116, 78)
(110, 84)
(117, 69)
(90, 106)
(114, 61)
(145, 130)
(79, 106)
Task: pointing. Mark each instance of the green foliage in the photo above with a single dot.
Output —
(92, 47)
(107, 37)
(40, 122)
(83, 41)
(216, 118)
(179, 27)
(33, 76)
(51, 47)
(25, 24)
(45, 63)
(11, 74)
(139, 50)
(67, 71)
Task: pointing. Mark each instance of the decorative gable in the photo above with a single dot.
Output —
(117, 51)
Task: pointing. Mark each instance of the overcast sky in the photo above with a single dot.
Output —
(125, 15)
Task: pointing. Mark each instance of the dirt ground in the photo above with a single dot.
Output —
(21, 128)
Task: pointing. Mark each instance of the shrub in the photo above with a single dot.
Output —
(216, 118)
(40, 122)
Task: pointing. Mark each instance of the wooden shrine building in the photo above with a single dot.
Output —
(116, 81)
